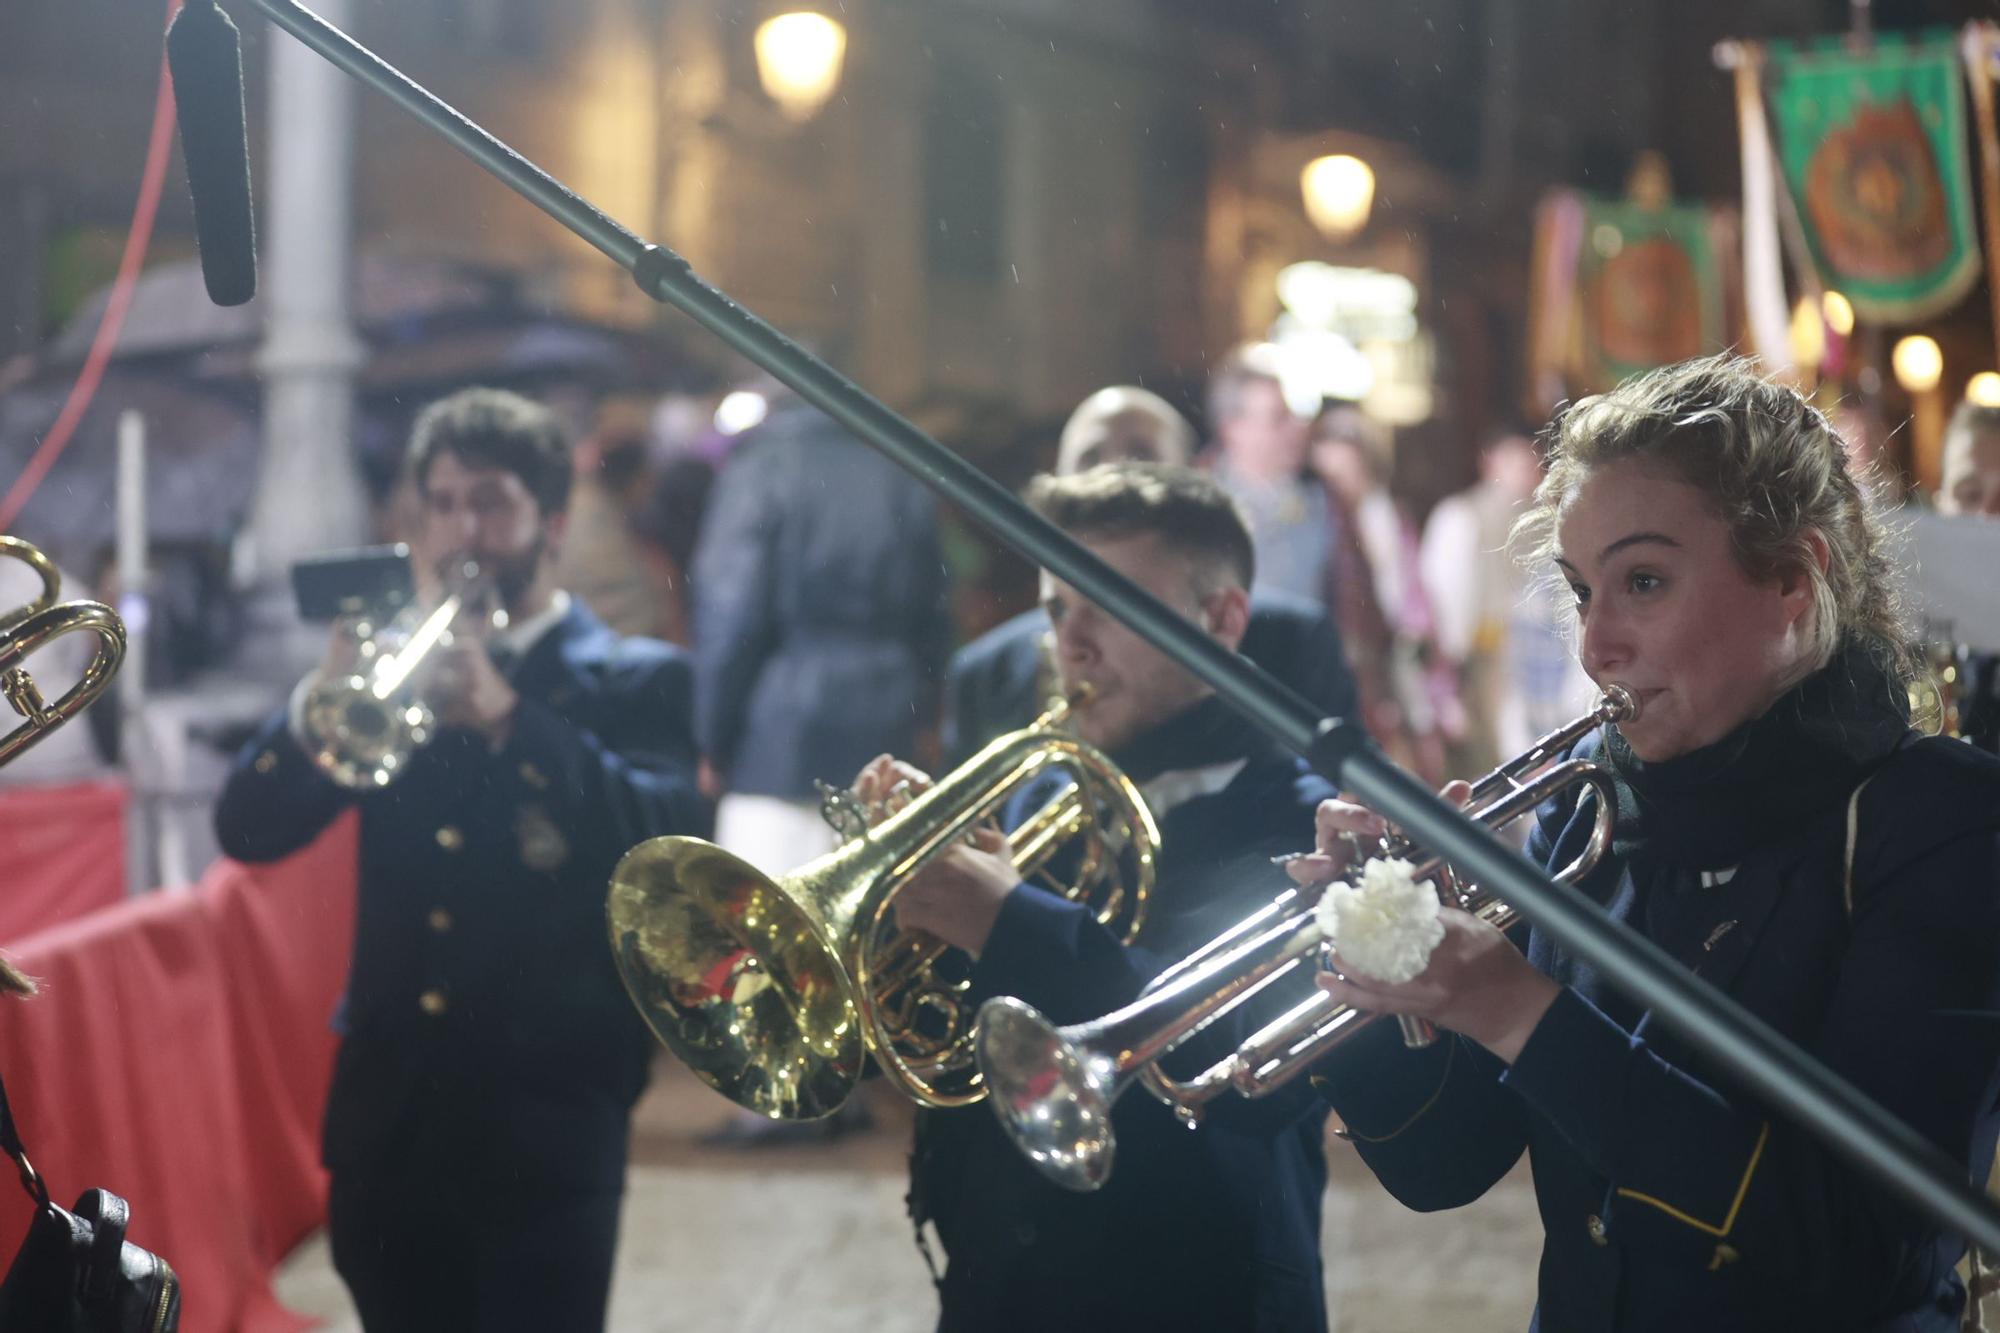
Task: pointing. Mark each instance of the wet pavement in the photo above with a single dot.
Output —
(812, 1238)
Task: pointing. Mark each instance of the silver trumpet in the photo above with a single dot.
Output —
(1054, 1087)
(366, 726)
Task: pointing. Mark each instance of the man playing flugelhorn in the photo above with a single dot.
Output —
(1213, 1229)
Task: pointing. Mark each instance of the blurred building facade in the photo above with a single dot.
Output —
(1005, 205)
(1016, 200)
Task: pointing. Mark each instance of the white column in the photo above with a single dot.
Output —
(310, 495)
(141, 778)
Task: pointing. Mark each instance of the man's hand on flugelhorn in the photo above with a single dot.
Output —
(957, 896)
(886, 784)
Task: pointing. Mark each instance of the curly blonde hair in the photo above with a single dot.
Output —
(1772, 468)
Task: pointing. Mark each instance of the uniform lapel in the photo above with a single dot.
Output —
(1741, 912)
(1741, 908)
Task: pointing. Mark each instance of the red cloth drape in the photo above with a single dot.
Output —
(179, 1055)
(64, 854)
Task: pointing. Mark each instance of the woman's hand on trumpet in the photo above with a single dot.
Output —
(1477, 983)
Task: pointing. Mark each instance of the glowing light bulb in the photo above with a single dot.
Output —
(1339, 191)
(798, 61)
(1918, 363)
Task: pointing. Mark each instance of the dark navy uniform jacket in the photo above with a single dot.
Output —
(1672, 1201)
(486, 1036)
(1210, 1229)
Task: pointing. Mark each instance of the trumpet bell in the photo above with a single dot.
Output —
(364, 741)
(736, 978)
(1053, 1096)
(366, 727)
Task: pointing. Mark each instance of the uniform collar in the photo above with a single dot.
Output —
(1706, 810)
(516, 640)
(1181, 785)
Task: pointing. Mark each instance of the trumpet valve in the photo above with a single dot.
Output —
(1453, 890)
(26, 696)
(1417, 1032)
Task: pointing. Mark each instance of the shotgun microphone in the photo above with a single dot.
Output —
(206, 58)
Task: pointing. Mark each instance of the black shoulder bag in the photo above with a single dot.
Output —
(75, 1273)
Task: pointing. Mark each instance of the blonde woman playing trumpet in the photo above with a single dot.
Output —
(1781, 831)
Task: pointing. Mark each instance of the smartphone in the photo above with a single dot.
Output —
(374, 580)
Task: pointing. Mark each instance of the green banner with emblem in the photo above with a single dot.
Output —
(1873, 148)
(1648, 292)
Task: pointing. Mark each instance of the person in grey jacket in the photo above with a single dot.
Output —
(822, 624)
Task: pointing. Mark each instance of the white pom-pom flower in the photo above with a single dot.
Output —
(1385, 929)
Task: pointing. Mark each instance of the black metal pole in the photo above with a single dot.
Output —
(1852, 1126)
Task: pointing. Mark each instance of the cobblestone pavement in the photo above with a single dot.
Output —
(812, 1239)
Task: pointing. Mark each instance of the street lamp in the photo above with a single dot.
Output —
(1339, 190)
(1983, 389)
(798, 61)
(1919, 367)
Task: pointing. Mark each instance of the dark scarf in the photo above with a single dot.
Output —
(1705, 809)
(1208, 732)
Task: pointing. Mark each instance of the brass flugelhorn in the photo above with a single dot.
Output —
(1054, 1087)
(27, 628)
(777, 991)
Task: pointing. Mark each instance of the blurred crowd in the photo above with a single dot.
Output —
(1458, 655)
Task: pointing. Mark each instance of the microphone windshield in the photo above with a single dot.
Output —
(206, 58)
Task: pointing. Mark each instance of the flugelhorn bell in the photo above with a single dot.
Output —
(27, 628)
(776, 992)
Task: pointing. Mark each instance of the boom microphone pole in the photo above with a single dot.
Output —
(1742, 1046)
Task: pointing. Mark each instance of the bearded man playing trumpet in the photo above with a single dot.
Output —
(1213, 1229)
(1779, 829)
(477, 1123)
